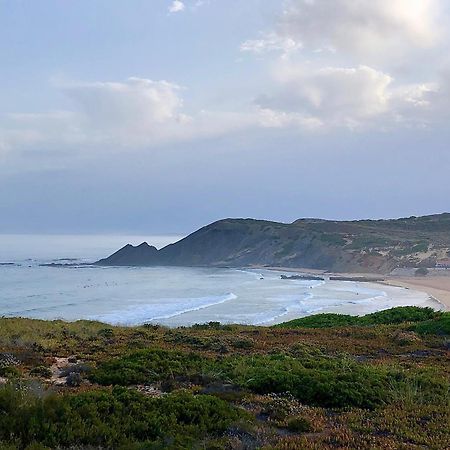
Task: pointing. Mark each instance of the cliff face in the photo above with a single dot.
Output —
(357, 246)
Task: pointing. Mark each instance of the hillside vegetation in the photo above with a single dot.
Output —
(376, 246)
(322, 382)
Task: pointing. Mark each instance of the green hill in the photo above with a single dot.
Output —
(376, 246)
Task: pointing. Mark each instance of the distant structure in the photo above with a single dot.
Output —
(443, 263)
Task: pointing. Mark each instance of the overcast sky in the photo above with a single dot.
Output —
(160, 116)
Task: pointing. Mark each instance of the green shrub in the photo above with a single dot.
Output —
(313, 380)
(146, 366)
(9, 372)
(391, 316)
(440, 325)
(398, 315)
(106, 332)
(110, 419)
(324, 383)
(320, 321)
(299, 425)
(311, 377)
(244, 344)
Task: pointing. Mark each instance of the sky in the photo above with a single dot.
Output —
(161, 116)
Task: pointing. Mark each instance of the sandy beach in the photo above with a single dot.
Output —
(435, 286)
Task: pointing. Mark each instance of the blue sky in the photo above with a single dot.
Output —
(161, 116)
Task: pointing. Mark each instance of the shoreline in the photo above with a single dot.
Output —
(436, 287)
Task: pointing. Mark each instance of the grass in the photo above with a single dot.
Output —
(325, 381)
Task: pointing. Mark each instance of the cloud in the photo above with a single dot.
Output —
(136, 110)
(370, 30)
(358, 97)
(270, 42)
(354, 64)
(137, 113)
(176, 6)
(331, 94)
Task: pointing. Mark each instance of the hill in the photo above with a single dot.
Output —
(376, 246)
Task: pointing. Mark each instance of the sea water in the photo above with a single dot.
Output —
(173, 296)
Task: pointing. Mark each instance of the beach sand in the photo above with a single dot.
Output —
(435, 286)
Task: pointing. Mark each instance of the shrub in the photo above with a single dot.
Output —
(73, 379)
(299, 425)
(120, 418)
(326, 384)
(146, 366)
(320, 321)
(440, 325)
(398, 315)
(41, 371)
(391, 316)
(244, 344)
(9, 372)
(106, 332)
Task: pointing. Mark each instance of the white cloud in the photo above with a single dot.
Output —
(137, 109)
(270, 42)
(176, 6)
(110, 116)
(271, 118)
(345, 97)
(371, 30)
(331, 91)
(354, 63)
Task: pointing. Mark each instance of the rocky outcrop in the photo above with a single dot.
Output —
(140, 255)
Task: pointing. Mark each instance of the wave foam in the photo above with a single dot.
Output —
(162, 309)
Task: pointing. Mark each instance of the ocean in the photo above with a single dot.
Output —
(172, 296)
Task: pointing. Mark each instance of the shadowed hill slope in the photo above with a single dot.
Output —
(358, 246)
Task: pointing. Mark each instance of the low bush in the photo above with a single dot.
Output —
(398, 315)
(320, 321)
(322, 383)
(299, 425)
(9, 372)
(393, 316)
(147, 366)
(121, 418)
(243, 344)
(440, 325)
(313, 379)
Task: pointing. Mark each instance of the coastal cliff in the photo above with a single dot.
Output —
(377, 246)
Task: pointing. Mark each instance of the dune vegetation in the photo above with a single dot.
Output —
(322, 382)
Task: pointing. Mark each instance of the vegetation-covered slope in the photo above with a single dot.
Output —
(359, 246)
(381, 381)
